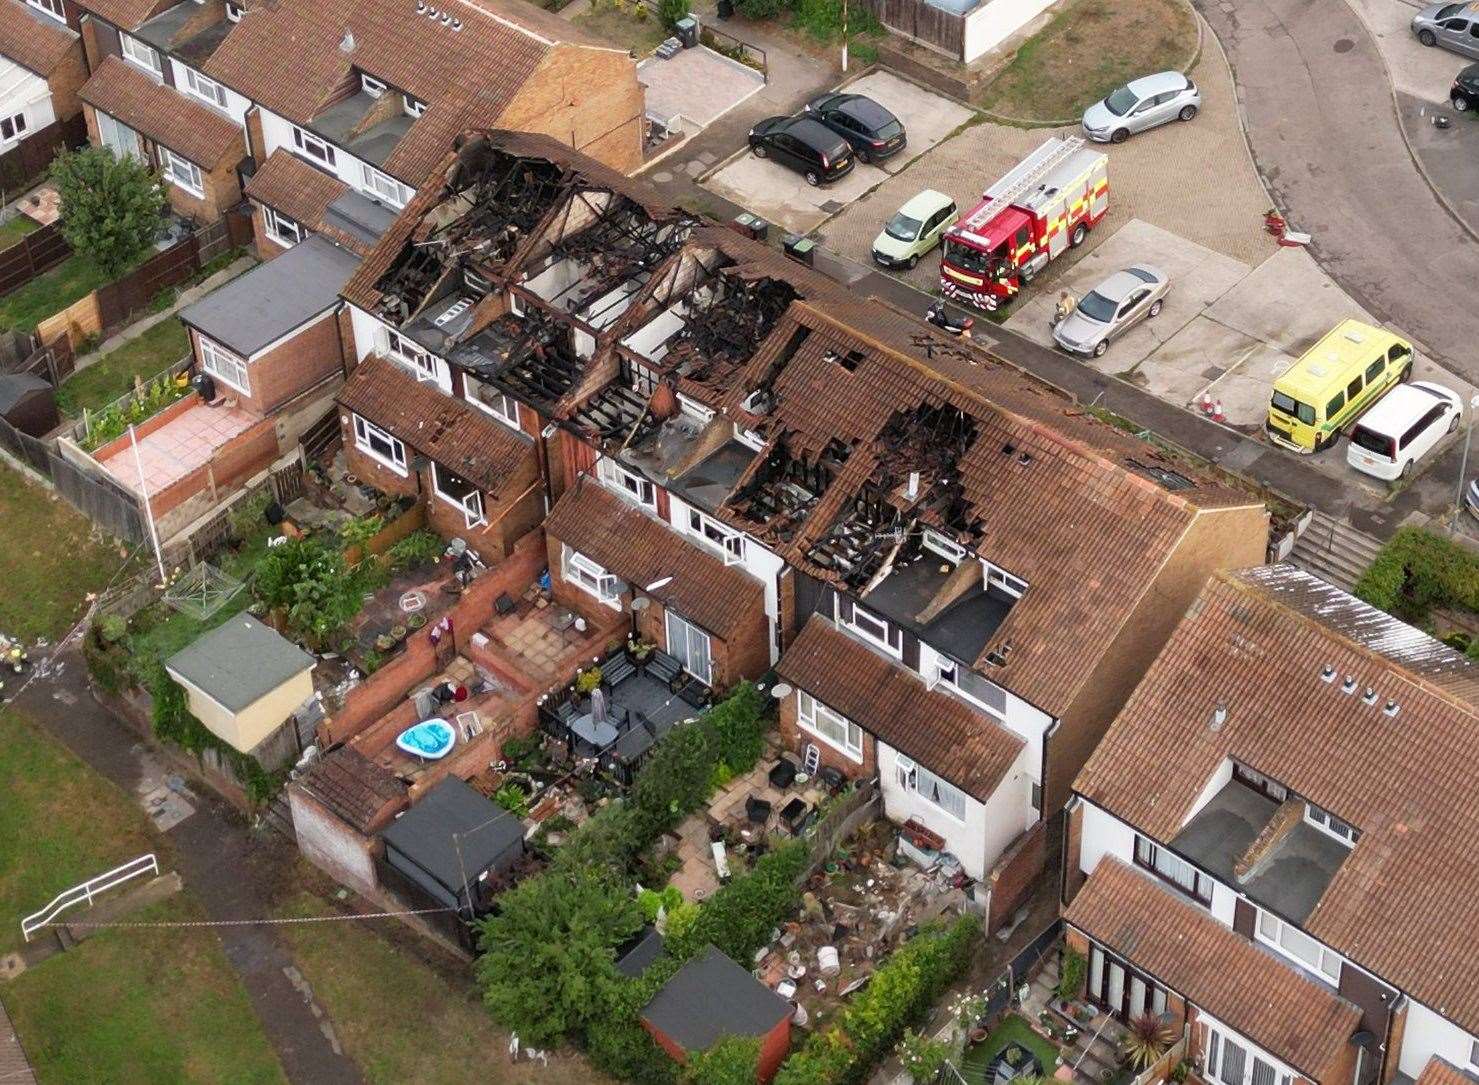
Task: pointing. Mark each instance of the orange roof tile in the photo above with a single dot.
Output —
(32, 40)
(164, 115)
(288, 184)
(1438, 1072)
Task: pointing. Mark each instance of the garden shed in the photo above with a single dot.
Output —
(447, 848)
(711, 998)
(28, 403)
(244, 680)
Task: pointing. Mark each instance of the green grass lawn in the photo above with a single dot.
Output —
(73, 279)
(621, 27)
(126, 1005)
(15, 228)
(1087, 50)
(48, 560)
(113, 375)
(399, 1018)
(1012, 1030)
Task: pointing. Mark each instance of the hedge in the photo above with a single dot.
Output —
(740, 916)
(899, 994)
(1417, 571)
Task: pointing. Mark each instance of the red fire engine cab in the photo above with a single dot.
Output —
(1046, 204)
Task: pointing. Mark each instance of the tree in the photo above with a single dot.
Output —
(548, 964)
(110, 206)
(731, 1061)
(311, 583)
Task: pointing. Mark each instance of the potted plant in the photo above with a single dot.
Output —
(588, 679)
(398, 633)
(1146, 1041)
(384, 642)
(639, 649)
(415, 621)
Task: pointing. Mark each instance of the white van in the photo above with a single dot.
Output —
(1401, 427)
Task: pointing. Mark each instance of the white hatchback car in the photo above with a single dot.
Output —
(1402, 427)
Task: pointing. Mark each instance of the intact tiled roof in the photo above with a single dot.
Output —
(165, 116)
(291, 61)
(1295, 1019)
(288, 184)
(454, 434)
(1439, 1072)
(641, 550)
(943, 734)
(354, 787)
(126, 14)
(33, 40)
(1402, 903)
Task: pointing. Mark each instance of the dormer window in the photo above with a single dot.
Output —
(414, 107)
(313, 148)
(140, 55)
(371, 86)
(873, 629)
(936, 543)
(55, 8)
(1003, 580)
(1329, 824)
(207, 90)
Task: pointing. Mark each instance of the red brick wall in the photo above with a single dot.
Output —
(795, 739)
(1012, 877)
(586, 98)
(221, 185)
(1073, 874)
(66, 80)
(262, 244)
(773, 1051)
(239, 459)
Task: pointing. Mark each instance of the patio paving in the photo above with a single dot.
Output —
(540, 637)
(180, 446)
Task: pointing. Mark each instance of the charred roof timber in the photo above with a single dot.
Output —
(726, 323)
(783, 488)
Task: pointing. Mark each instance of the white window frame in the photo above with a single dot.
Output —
(228, 368)
(1474, 1054)
(413, 106)
(421, 363)
(590, 577)
(947, 671)
(366, 432)
(1329, 824)
(205, 88)
(870, 632)
(948, 549)
(283, 230)
(233, 12)
(471, 505)
(382, 186)
(812, 716)
(1273, 932)
(999, 577)
(725, 541)
(141, 55)
(907, 772)
(505, 408)
(111, 131)
(372, 86)
(312, 148)
(1176, 871)
(171, 164)
(626, 484)
(1218, 1037)
(55, 8)
(18, 125)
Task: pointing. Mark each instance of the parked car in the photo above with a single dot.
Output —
(1453, 26)
(1464, 94)
(872, 131)
(1140, 104)
(1401, 427)
(1115, 305)
(915, 229)
(1471, 498)
(805, 145)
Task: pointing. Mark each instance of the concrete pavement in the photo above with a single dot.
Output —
(1322, 126)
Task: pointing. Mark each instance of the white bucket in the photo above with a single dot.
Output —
(827, 961)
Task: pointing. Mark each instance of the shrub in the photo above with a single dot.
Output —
(361, 529)
(418, 548)
(112, 627)
(740, 916)
(670, 11)
(110, 206)
(651, 901)
(1071, 977)
(311, 583)
(513, 800)
(922, 1056)
(1417, 571)
(731, 1061)
(760, 9)
(674, 779)
(739, 728)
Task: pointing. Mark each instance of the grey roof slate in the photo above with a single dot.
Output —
(490, 836)
(710, 998)
(239, 662)
(272, 299)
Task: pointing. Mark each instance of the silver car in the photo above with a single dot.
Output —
(1141, 104)
(1453, 26)
(1111, 308)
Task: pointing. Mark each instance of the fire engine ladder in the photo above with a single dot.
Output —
(1023, 178)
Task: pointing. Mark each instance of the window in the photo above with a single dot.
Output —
(1328, 823)
(1000, 578)
(1333, 407)
(836, 731)
(626, 483)
(946, 548)
(946, 670)
(386, 188)
(141, 54)
(1354, 388)
(313, 148)
(54, 8)
(281, 229)
(1293, 942)
(233, 12)
(181, 172)
(119, 138)
(486, 398)
(875, 630)
(226, 367)
(727, 541)
(459, 493)
(1230, 1062)
(422, 364)
(1474, 1054)
(414, 107)
(370, 85)
(379, 445)
(12, 127)
(923, 782)
(588, 576)
(207, 90)
(1260, 783)
(1173, 869)
(1375, 369)
(689, 645)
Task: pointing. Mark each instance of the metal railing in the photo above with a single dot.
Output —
(87, 891)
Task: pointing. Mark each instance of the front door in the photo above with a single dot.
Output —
(1121, 990)
(689, 645)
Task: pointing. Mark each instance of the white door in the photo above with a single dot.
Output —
(120, 138)
(689, 645)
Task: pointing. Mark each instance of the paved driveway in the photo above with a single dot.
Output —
(782, 196)
(697, 84)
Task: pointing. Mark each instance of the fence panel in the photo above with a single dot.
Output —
(1023, 962)
(922, 21)
(122, 298)
(93, 493)
(54, 361)
(39, 251)
(23, 165)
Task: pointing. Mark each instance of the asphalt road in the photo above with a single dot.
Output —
(1322, 124)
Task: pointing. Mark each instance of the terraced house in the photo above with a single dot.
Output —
(41, 69)
(329, 115)
(1271, 845)
(959, 574)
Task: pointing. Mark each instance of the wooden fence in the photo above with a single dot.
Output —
(923, 22)
(841, 821)
(23, 165)
(87, 488)
(36, 253)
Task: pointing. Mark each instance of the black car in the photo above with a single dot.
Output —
(872, 131)
(804, 144)
(1465, 91)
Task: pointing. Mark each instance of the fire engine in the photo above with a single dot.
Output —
(1046, 204)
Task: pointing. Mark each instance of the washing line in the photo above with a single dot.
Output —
(269, 922)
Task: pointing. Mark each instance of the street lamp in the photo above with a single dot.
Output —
(1463, 463)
